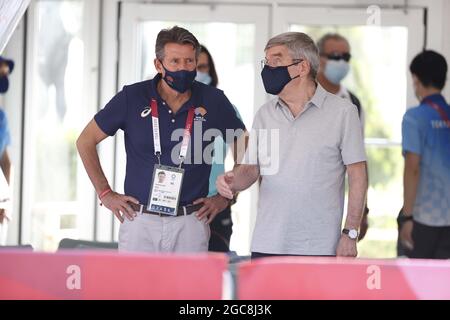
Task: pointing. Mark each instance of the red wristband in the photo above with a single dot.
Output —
(104, 193)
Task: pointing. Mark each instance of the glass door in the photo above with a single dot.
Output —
(60, 99)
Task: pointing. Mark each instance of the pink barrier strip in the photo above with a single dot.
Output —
(292, 278)
(94, 275)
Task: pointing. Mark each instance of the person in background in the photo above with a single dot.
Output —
(206, 69)
(424, 221)
(222, 225)
(6, 67)
(335, 55)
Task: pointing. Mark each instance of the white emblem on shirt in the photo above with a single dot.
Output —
(146, 112)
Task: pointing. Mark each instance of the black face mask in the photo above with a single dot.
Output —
(181, 80)
(4, 84)
(276, 78)
(4, 80)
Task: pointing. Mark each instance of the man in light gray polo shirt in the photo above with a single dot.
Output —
(302, 144)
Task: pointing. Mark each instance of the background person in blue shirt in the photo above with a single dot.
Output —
(175, 92)
(6, 67)
(222, 225)
(425, 218)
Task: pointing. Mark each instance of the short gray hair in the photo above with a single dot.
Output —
(175, 35)
(300, 46)
(330, 36)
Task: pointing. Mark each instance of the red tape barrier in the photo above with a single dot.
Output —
(94, 275)
(331, 278)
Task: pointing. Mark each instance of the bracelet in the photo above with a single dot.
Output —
(104, 193)
(230, 201)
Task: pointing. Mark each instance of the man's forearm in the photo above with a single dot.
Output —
(244, 176)
(91, 162)
(357, 181)
(239, 147)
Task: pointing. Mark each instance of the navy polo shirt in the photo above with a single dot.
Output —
(129, 110)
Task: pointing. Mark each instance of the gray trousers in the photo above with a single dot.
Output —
(152, 233)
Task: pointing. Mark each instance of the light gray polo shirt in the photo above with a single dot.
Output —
(301, 199)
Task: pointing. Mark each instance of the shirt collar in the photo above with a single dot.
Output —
(317, 99)
(319, 96)
(437, 97)
(343, 93)
(193, 101)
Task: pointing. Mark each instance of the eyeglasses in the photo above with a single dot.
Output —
(277, 63)
(338, 56)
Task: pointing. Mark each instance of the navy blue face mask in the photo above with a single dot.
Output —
(276, 78)
(4, 84)
(181, 80)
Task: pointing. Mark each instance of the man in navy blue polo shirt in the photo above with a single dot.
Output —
(169, 123)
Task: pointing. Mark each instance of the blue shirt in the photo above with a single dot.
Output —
(424, 134)
(129, 110)
(5, 138)
(218, 164)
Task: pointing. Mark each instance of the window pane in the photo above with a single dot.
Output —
(385, 200)
(376, 52)
(57, 203)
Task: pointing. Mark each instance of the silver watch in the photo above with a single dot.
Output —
(351, 233)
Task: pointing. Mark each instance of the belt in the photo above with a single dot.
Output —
(182, 210)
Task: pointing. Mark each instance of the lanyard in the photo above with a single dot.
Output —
(156, 132)
(439, 110)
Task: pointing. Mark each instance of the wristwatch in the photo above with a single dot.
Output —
(402, 218)
(230, 201)
(351, 233)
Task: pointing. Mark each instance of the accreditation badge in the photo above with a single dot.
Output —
(165, 190)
